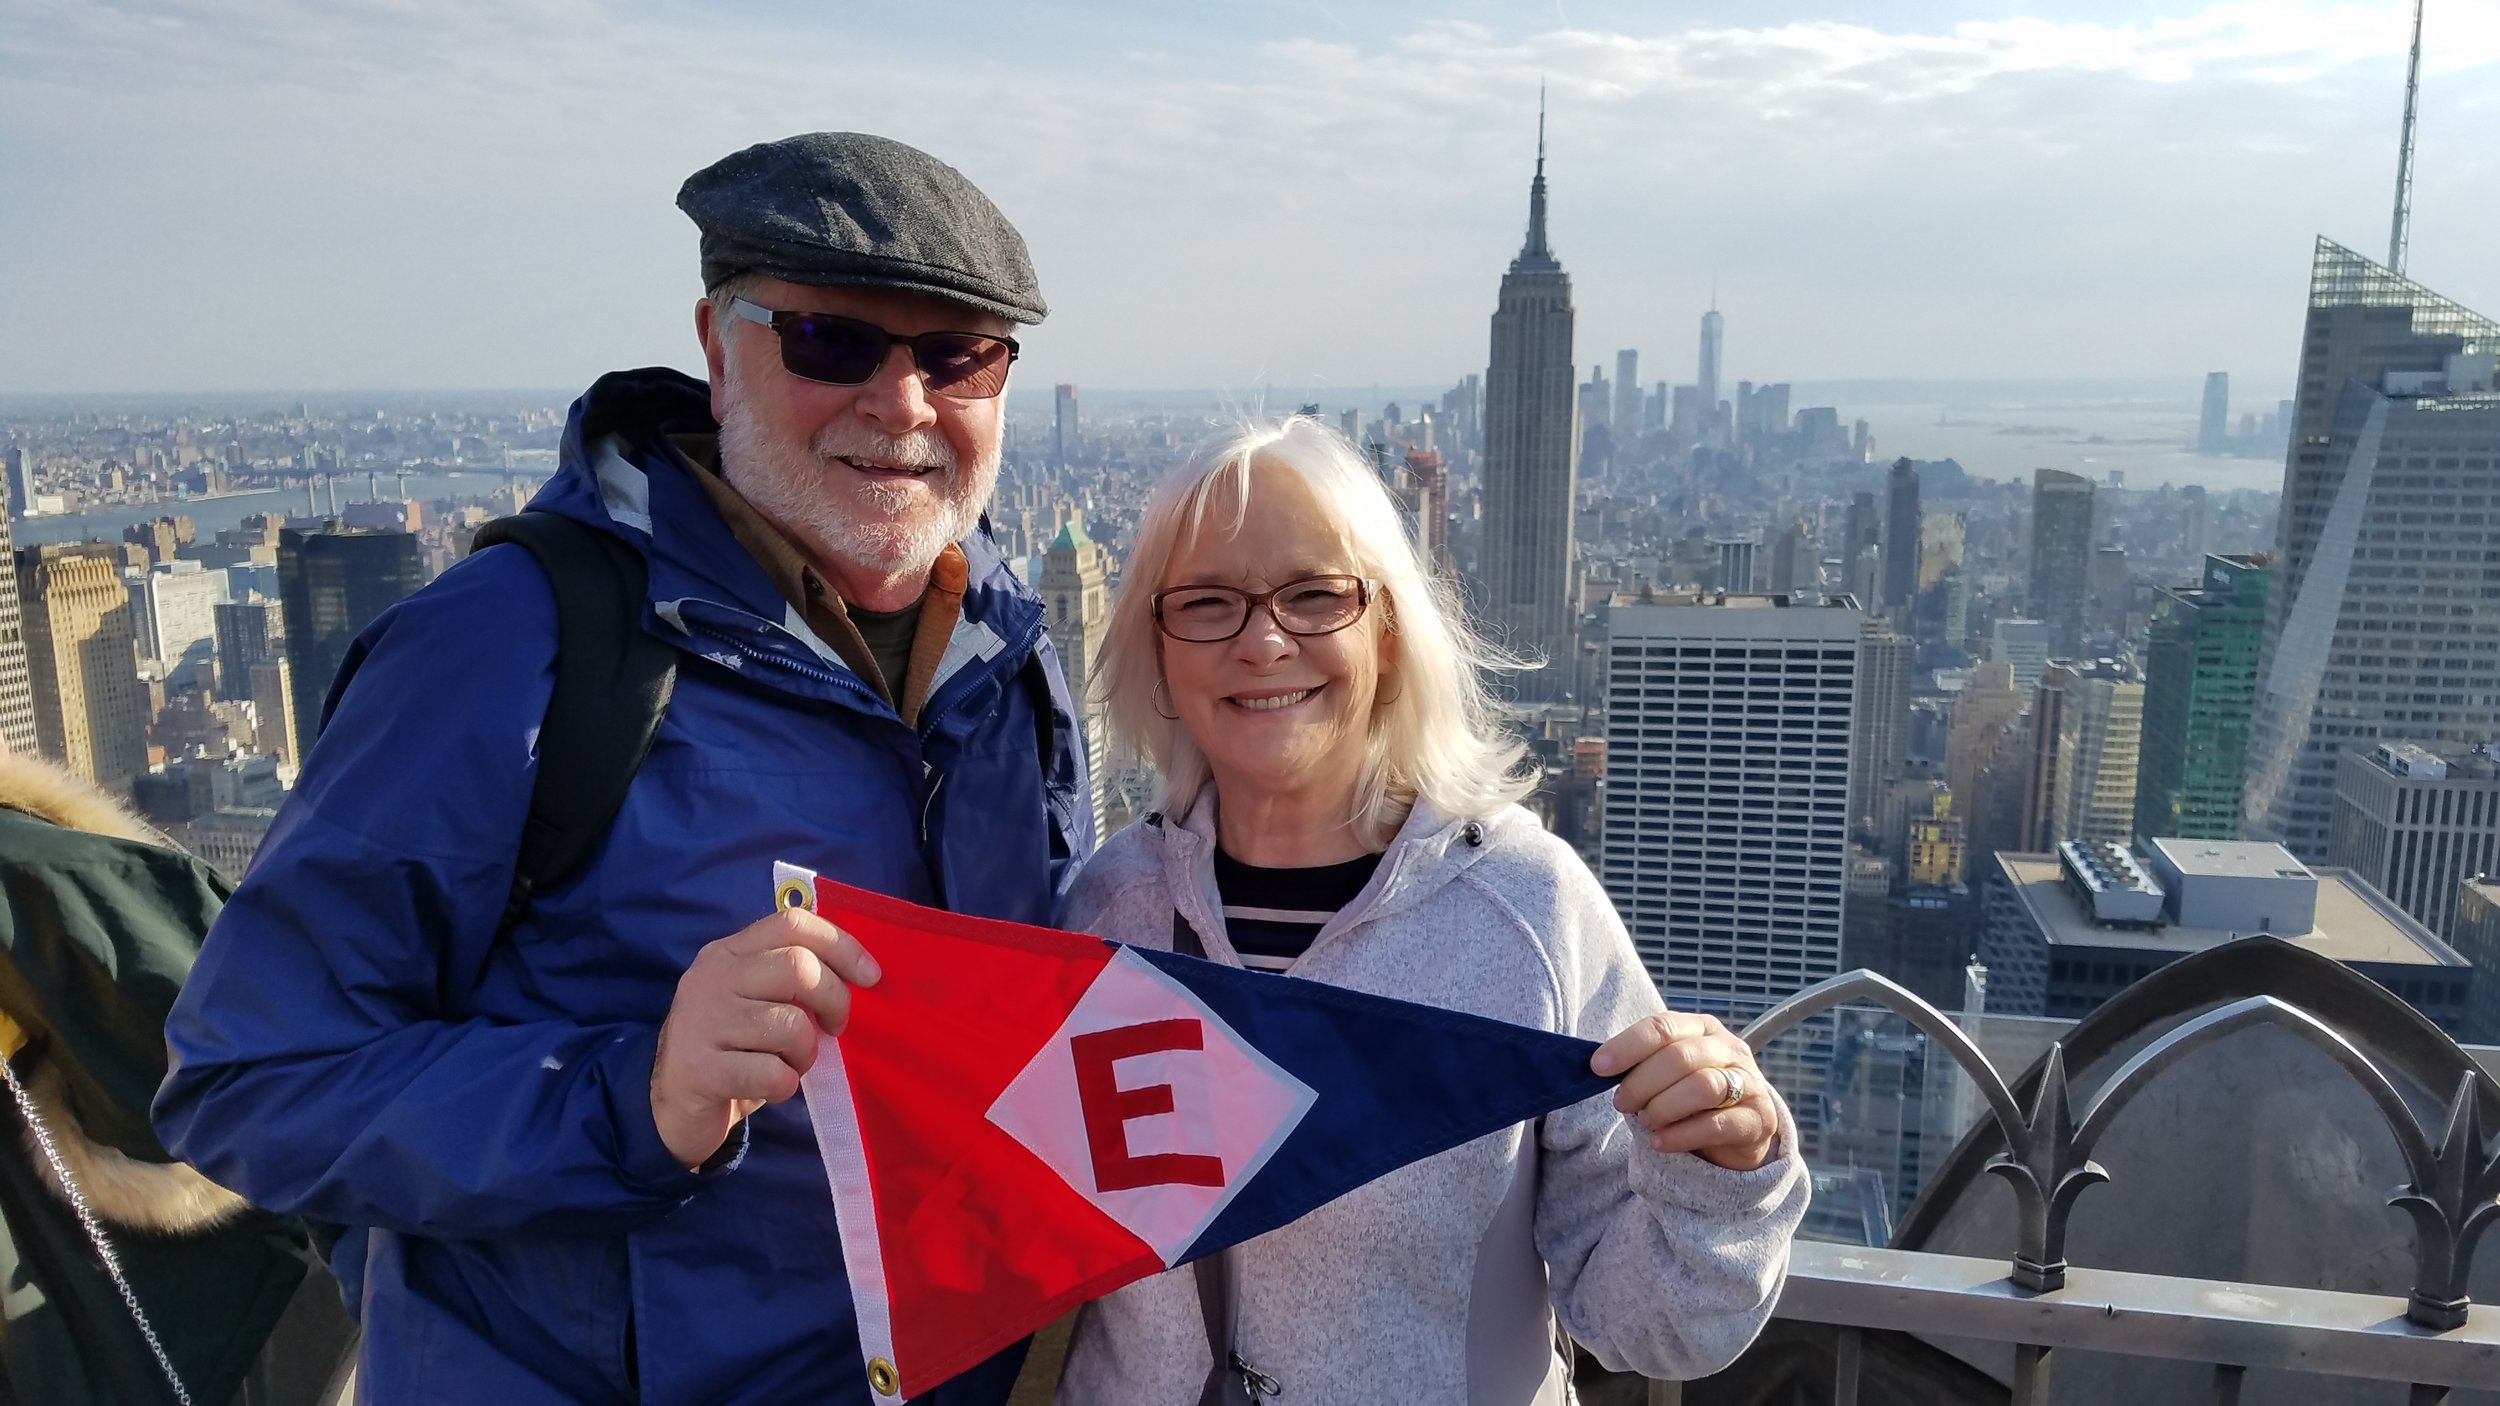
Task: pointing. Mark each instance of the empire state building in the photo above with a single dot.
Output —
(1529, 464)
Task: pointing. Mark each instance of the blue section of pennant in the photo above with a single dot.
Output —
(1396, 1083)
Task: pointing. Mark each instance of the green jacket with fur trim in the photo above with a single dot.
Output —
(99, 922)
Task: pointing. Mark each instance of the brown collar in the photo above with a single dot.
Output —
(817, 602)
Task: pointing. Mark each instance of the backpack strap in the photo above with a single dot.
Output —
(613, 681)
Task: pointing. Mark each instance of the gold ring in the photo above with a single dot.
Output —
(1735, 1081)
(793, 894)
(881, 1378)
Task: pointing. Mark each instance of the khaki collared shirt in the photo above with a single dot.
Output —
(941, 606)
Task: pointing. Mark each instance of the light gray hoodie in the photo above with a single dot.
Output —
(1440, 1282)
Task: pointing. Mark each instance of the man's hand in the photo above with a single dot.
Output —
(743, 1025)
(1681, 1071)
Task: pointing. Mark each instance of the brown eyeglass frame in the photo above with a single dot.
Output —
(1253, 601)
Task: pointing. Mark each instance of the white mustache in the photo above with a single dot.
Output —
(858, 442)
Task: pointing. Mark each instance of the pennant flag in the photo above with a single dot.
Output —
(1018, 1120)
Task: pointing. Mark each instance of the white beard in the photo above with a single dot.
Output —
(889, 527)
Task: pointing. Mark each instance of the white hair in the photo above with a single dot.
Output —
(1436, 738)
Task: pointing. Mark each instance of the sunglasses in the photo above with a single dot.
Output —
(844, 351)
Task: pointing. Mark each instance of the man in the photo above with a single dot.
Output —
(575, 1144)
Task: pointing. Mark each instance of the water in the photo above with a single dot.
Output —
(2007, 429)
(225, 513)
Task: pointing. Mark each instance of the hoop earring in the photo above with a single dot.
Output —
(1161, 696)
(1379, 702)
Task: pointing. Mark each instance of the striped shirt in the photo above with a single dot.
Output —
(1272, 914)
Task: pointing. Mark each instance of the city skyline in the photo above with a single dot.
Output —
(465, 178)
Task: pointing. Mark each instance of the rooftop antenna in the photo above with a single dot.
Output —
(2404, 155)
(1541, 96)
(1535, 251)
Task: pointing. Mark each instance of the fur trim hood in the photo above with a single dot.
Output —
(46, 791)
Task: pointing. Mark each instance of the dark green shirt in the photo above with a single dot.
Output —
(889, 635)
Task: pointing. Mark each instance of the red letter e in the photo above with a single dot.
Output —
(1108, 1107)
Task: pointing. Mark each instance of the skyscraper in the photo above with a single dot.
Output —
(273, 711)
(1903, 530)
(1736, 564)
(2061, 556)
(1595, 415)
(174, 614)
(1076, 576)
(250, 632)
(1428, 483)
(333, 583)
(2418, 823)
(1063, 425)
(1528, 463)
(1728, 726)
(82, 662)
(1627, 410)
(2024, 646)
(1981, 712)
(2381, 620)
(1793, 563)
(1707, 383)
(21, 484)
(2086, 737)
(17, 699)
(2213, 426)
(1879, 739)
(2200, 679)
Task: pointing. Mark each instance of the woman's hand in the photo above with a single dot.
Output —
(1682, 1070)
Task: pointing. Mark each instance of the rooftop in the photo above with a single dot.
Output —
(2231, 859)
(2354, 923)
(2433, 761)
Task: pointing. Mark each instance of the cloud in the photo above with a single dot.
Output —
(463, 192)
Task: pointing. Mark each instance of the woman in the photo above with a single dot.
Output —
(1339, 804)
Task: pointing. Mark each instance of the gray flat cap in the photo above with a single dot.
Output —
(850, 210)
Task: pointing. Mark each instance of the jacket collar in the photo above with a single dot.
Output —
(1430, 850)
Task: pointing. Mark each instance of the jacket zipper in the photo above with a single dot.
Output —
(963, 681)
(845, 680)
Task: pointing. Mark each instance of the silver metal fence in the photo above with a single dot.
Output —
(2432, 1340)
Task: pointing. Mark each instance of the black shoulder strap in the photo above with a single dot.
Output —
(613, 680)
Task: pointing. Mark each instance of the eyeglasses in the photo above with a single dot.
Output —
(844, 351)
(1316, 605)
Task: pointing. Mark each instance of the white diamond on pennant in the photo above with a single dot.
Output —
(1151, 1106)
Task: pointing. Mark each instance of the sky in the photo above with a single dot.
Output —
(204, 195)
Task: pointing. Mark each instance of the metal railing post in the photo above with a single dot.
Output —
(1845, 1367)
(2031, 1375)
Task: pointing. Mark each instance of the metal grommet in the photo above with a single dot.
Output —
(1473, 834)
(881, 1378)
(793, 894)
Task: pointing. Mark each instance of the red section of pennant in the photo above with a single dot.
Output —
(983, 1243)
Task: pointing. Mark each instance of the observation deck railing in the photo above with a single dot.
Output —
(2431, 1341)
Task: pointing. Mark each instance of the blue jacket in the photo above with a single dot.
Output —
(356, 1045)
